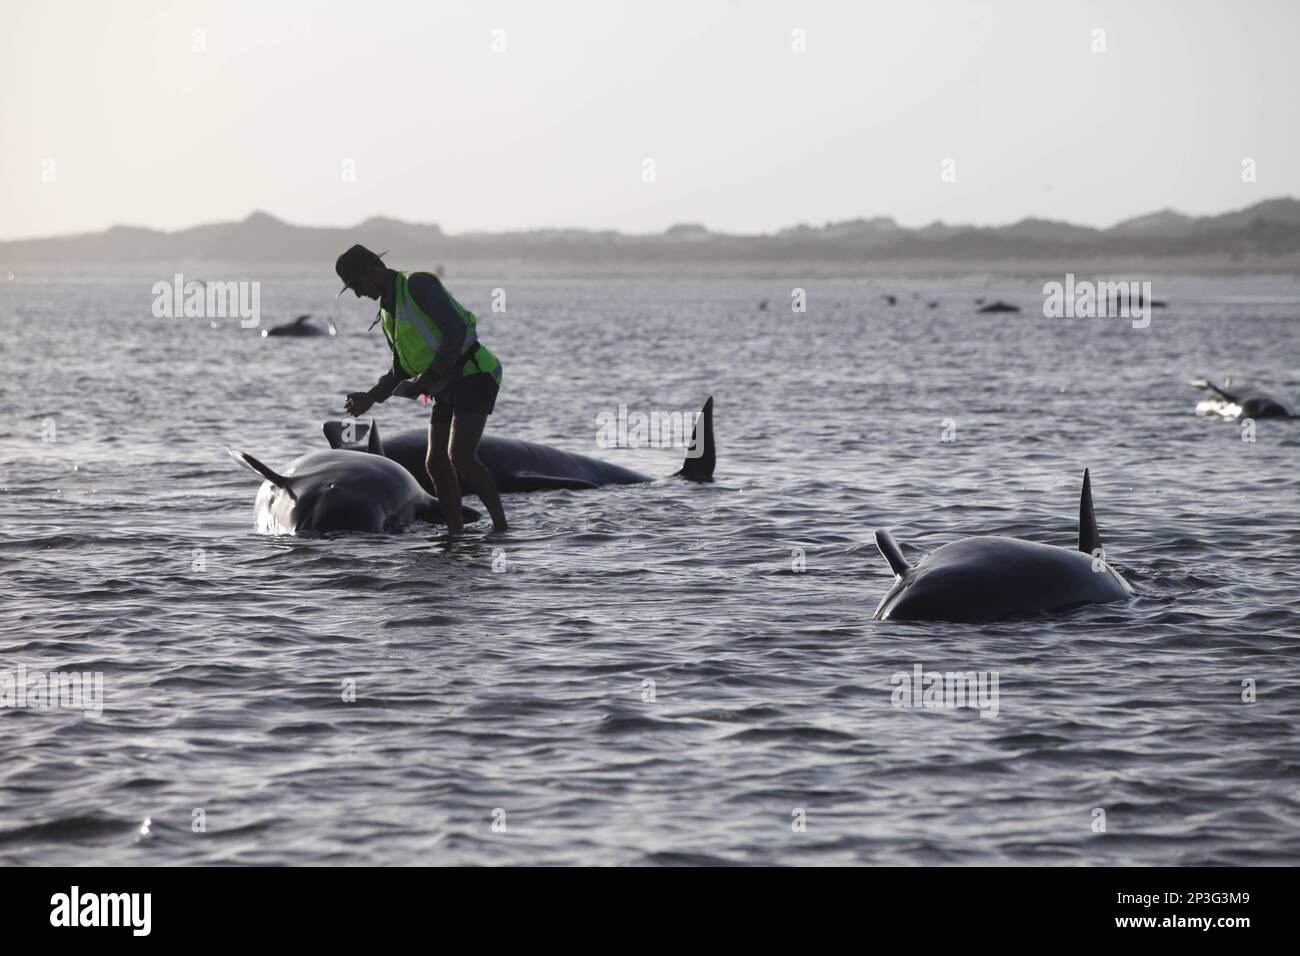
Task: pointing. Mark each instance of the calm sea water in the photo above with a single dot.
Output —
(519, 698)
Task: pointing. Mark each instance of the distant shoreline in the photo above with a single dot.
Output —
(1262, 239)
(551, 269)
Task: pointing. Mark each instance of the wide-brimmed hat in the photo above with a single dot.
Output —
(352, 264)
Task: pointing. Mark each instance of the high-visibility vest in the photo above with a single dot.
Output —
(416, 338)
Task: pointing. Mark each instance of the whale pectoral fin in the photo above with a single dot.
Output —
(1209, 386)
(253, 465)
(431, 511)
(1089, 539)
(702, 456)
(892, 553)
(535, 481)
(334, 329)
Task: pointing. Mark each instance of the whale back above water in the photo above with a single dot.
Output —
(330, 491)
(998, 306)
(1239, 401)
(300, 328)
(990, 578)
(518, 466)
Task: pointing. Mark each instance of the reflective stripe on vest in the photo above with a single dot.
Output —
(415, 337)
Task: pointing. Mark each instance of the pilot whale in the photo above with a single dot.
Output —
(1242, 402)
(300, 328)
(989, 578)
(523, 465)
(326, 491)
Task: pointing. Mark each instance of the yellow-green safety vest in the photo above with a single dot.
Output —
(417, 339)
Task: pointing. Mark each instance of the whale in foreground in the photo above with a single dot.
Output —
(1242, 402)
(300, 328)
(523, 465)
(331, 491)
(990, 578)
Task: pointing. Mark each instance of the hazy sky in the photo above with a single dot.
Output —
(139, 119)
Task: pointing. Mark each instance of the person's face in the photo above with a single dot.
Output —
(370, 284)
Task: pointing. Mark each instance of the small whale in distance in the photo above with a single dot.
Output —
(301, 328)
(998, 306)
(991, 578)
(1137, 302)
(933, 304)
(891, 299)
(762, 306)
(1241, 402)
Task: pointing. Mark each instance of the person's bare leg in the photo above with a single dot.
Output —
(465, 434)
(445, 484)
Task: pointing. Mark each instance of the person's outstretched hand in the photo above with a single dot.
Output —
(358, 403)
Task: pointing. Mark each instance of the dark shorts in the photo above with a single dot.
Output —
(470, 395)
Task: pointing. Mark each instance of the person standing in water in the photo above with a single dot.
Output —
(434, 339)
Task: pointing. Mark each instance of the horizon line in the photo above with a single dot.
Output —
(675, 225)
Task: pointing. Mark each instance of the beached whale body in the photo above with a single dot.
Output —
(300, 328)
(990, 578)
(522, 465)
(1241, 402)
(327, 491)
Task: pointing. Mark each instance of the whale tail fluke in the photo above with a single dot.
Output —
(702, 456)
(354, 435)
(1089, 539)
(892, 553)
(255, 466)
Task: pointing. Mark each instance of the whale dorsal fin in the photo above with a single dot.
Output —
(892, 553)
(252, 464)
(700, 467)
(374, 444)
(1089, 539)
(301, 319)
